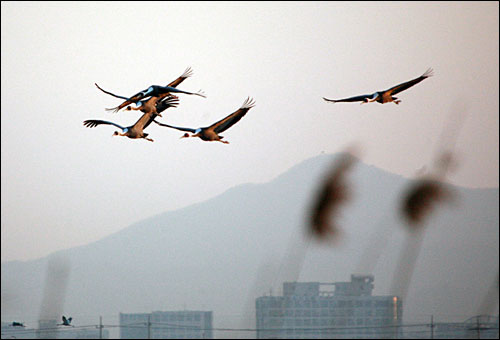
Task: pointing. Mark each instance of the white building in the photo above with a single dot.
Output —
(347, 311)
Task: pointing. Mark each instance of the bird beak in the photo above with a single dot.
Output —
(159, 115)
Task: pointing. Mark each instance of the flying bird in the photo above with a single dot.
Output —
(66, 322)
(137, 130)
(153, 91)
(156, 105)
(17, 324)
(211, 133)
(187, 73)
(387, 95)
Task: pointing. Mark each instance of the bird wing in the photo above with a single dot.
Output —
(90, 123)
(134, 99)
(351, 99)
(64, 319)
(233, 118)
(114, 95)
(168, 89)
(176, 127)
(168, 101)
(69, 319)
(188, 73)
(145, 120)
(404, 86)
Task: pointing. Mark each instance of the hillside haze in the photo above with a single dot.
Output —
(219, 255)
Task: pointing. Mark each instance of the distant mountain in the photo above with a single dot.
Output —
(220, 254)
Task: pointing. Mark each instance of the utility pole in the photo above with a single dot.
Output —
(100, 327)
(149, 326)
(478, 328)
(432, 326)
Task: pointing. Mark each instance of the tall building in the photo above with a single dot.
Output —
(315, 310)
(166, 325)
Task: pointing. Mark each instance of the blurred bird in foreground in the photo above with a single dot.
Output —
(333, 193)
(386, 96)
(427, 192)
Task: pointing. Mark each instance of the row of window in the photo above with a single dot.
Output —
(303, 322)
(323, 302)
(161, 317)
(176, 317)
(323, 312)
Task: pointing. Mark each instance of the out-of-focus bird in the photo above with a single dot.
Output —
(66, 322)
(153, 91)
(17, 324)
(387, 95)
(422, 197)
(211, 133)
(428, 191)
(333, 193)
(137, 130)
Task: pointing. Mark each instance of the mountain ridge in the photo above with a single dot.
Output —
(211, 252)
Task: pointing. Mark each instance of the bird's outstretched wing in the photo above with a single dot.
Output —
(404, 86)
(225, 123)
(176, 127)
(188, 73)
(111, 94)
(134, 99)
(168, 89)
(90, 123)
(351, 99)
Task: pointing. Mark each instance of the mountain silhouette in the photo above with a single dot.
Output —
(220, 254)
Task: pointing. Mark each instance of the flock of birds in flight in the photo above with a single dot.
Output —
(156, 99)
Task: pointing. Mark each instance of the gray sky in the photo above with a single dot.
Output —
(65, 185)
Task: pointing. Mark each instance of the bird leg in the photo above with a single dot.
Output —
(149, 139)
(223, 141)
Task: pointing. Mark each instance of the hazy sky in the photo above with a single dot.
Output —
(65, 185)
